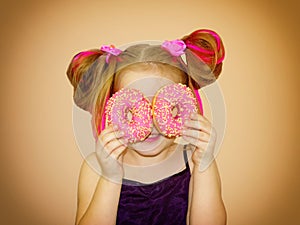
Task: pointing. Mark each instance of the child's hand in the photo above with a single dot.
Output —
(109, 150)
(199, 132)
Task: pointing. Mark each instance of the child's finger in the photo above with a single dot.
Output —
(111, 136)
(116, 153)
(114, 144)
(196, 142)
(197, 134)
(199, 117)
(197, 125)
(107, 130)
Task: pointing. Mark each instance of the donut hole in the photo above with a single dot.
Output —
(175, 111)
(129, 115)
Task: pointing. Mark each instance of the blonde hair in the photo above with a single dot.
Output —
(94, 79)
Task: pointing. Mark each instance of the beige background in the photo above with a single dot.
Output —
(259, 160)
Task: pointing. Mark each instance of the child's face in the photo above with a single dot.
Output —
(149, 83)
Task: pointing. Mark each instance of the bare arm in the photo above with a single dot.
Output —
(98, 198)
(206, 206)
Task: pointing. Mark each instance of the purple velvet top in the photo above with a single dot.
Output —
(160, 203)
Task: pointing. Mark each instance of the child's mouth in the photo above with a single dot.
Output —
(152, 138)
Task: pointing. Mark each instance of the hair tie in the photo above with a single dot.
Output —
(175, 47)
(111, 50)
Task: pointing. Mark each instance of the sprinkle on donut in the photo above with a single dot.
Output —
(131, 112)
(172, 105)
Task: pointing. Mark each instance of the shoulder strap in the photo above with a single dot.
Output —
(185, 157)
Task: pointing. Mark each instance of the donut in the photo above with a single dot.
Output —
(172, 105)
(131, 112)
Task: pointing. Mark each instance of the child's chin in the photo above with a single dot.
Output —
(147, 148)
(150, 148)
(150, 153)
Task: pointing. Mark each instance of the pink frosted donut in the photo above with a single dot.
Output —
(172, 105)
(131, 112)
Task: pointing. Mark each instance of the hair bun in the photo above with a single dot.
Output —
(207, 46)
(78, 66)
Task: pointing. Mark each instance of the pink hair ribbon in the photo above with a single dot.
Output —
(111, 50)
(175, 47)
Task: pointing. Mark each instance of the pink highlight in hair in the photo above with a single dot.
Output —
(101, 127)
(84, 54)
(78, 56)
(217, 38)
(199, 101)
(97, 130)
(191, 46)
(205, 51)
(221, 59)
(198, 49)
(103, 121)
(215, 35)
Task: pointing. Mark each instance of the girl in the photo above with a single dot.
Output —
(157, 191)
